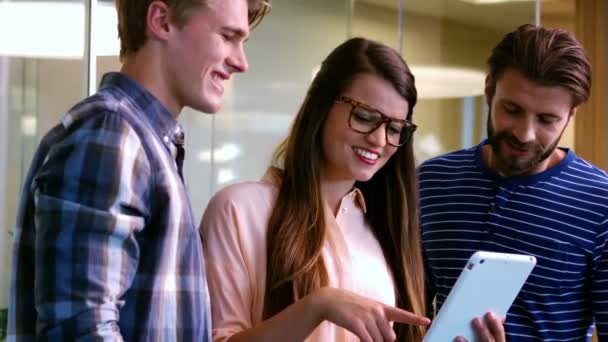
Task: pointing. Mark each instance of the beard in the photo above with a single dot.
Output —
(510, 166)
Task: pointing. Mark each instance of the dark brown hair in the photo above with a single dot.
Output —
(549, 57)
(132, 18)
(296, 229)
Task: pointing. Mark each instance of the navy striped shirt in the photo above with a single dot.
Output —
(559, 216)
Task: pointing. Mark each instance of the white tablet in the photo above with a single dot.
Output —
(489, 282)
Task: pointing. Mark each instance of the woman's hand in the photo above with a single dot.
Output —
(490, 329)
(368, 319)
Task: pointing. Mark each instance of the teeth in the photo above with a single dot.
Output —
(366, 154)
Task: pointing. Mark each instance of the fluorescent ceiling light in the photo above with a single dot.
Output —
(429, 145)
(223, 154)
(28, 125)
(487, 2)
(55, 29)
(436, 82)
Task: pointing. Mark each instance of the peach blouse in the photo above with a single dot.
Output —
(234, 229)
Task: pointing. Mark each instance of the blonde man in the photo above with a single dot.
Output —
(105, 245)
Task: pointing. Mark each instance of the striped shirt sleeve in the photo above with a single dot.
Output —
(90, 201)
(599, 293)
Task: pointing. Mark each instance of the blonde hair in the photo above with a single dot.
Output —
(132, 18)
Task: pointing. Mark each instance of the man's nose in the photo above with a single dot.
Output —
(525, 131)
(238, 60)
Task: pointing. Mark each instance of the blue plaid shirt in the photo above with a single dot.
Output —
(105, 244)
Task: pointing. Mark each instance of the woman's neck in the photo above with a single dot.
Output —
(333, 191)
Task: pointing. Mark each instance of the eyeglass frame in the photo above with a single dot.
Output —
(385, 119)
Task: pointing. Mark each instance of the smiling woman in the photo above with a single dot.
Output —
(347, 165)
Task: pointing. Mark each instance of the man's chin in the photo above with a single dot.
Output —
(209, 107)
(516, 170)
(510, 168)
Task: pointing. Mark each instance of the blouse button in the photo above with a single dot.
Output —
(345, 210)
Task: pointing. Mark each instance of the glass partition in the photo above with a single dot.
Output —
(378, 20)
(41, 76)
(447, 43)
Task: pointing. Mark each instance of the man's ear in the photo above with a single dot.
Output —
(573, 111)
(488, 90)
(158, 20)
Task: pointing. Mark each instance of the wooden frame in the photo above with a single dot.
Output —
(591, 121)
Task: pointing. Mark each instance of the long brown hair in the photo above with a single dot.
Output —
(296, 229)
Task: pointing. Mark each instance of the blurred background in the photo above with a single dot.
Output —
(53, 53)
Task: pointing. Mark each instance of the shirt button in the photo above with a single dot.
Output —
(166, 139)
(345, 210)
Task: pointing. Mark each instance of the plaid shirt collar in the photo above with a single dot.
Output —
(166, 127)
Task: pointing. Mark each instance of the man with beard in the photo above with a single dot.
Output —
(517, 192)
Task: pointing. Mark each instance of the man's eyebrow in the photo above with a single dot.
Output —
(549, 114)
(236, 31)
(514, 104)
(510, 103)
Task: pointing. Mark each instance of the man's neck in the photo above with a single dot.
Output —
(147, 69)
